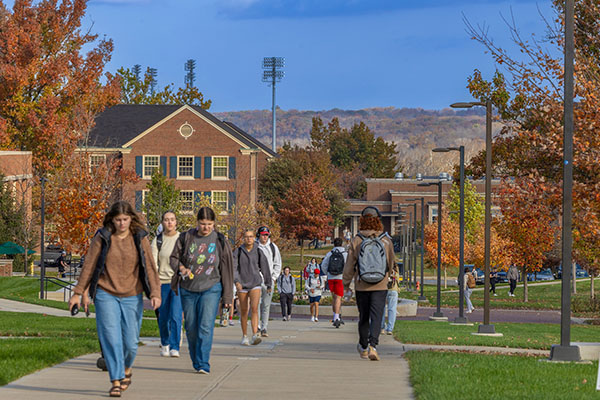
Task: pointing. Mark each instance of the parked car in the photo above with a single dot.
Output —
(51, 255)
(579, 272)
(479, 276)
(543, 275)
(501, 277)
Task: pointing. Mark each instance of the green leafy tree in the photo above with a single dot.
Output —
(136, 90)
(224, 219)
(162, 196)
(474, 209)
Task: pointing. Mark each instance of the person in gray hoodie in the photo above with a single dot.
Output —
(512, 276)
(250, 272)
(287, 288)
(337, 258)
(274, 259)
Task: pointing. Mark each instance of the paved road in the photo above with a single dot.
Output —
(299, 360)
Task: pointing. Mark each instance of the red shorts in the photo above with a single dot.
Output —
(336, 286)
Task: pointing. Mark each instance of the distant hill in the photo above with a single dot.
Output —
(415, 131)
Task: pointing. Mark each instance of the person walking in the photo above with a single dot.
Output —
(202, 257)
(286, 284)
(333, 266)
(310, 267)
(493, 276)
(118, 267)
(314, 288)
(469, 284)
(512, 276)
(251, 271)
(170, 311)
(369, 264)
(391, 303)
(273, 256)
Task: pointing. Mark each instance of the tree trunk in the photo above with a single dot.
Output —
(574, 276)
(301, 254)
(592, 294)
(525, 294)
(25, 265)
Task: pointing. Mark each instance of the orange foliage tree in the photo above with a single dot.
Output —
(78, 197)
(303, 213)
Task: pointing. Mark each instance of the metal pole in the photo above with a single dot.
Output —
(409, 248)
(461, 319)
(404, 275)
(438, 313)
(42, 246)
(414, 243)
(422, 297)
(274, 144)
(564, 351)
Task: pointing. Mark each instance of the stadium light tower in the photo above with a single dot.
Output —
(272, 74)
(190, 76)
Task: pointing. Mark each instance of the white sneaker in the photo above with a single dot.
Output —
(312, 318)
(256, 339)
(164, 351)
(316, 319)
(495, 294)
(289, 317)
(174, 353)
(245, 341)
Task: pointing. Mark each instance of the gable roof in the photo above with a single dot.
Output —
(123, 123)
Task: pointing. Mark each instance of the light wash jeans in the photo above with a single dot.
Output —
(169, 317)
(468, 292)
(200, 311)
(391, 302)
(118, 322)
(265, 306)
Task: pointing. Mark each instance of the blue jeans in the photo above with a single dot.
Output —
(200, 311)
(391, 302)
(169, 317)
(118, 322)
(265, 306)
(468, 292)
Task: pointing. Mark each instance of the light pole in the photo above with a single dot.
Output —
(486, 327)
(42, 223)
(461, 319)
(272, 74)
(421, 297)
(411, 217)
(438, 315)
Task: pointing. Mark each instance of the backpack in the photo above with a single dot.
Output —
(372, 261)
(471, 283)
(336, 263)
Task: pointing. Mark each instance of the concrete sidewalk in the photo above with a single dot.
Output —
(300, 359)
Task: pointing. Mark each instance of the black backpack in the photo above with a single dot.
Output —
(336, 263)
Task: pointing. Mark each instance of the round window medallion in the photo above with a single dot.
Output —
(186, 130)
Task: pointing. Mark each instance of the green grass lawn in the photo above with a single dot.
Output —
(455, 375)
(529, 336)
(541, 297)
(51, 340)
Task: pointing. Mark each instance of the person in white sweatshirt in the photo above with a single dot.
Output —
(314, 287)
(271, 252)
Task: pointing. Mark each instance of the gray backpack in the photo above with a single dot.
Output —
(372, 261)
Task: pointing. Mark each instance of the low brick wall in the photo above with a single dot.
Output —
(6, 268)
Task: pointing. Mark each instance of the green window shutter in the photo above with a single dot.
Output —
(230, 201)
(173, 167)
(163, 165)
(138, 200)
(197, 167)
(231, 167)
(207, 167)
(139, 165)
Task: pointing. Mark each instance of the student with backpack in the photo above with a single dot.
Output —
(314, 288)
(333, 266)
(369, 264)
(273, 256)
(170, 311)
(469, 285)
(286, 284)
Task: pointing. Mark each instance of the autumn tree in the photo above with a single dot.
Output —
(136, 90)
(303, 213)
(474, 209)
(249, 216)
(162, 196)
(187, 218)
(51, 70)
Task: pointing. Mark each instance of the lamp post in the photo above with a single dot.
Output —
(438, 315)
(461, 319)
(421, 296)
(409, 248)
(564, 351)
(486, 327)
(42, 223)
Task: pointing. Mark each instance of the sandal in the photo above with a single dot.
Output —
(125, 382)
(115, 391)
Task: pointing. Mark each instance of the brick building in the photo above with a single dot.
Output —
(200, 153)
(387, 194)
(18, 174)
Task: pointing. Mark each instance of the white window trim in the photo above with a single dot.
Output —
(144, 193)
(212, 164)
(212, 198)
(103, 156)
(186, 178)
(144, 176)
(188, 211)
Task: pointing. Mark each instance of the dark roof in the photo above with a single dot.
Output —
(119, 124)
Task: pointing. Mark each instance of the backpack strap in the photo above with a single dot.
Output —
(159, 241)
(272, 250)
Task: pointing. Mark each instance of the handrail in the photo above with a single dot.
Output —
(66, 285)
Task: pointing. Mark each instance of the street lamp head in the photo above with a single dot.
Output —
(441, 150)
(467, 104)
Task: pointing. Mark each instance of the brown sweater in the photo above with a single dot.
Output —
(351, 267)
(121, 273)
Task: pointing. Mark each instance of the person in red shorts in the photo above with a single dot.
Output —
(333, 265)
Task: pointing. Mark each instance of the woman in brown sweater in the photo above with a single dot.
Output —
(118, 267)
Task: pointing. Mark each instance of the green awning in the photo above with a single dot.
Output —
(13, 248)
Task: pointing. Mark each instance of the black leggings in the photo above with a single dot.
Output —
(371, 305)
(493, 285)
(285, 299)
(513, 285)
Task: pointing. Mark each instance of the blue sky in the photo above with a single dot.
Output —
(348, 54)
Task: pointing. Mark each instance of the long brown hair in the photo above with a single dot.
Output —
(123, 207)
(370, 223)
